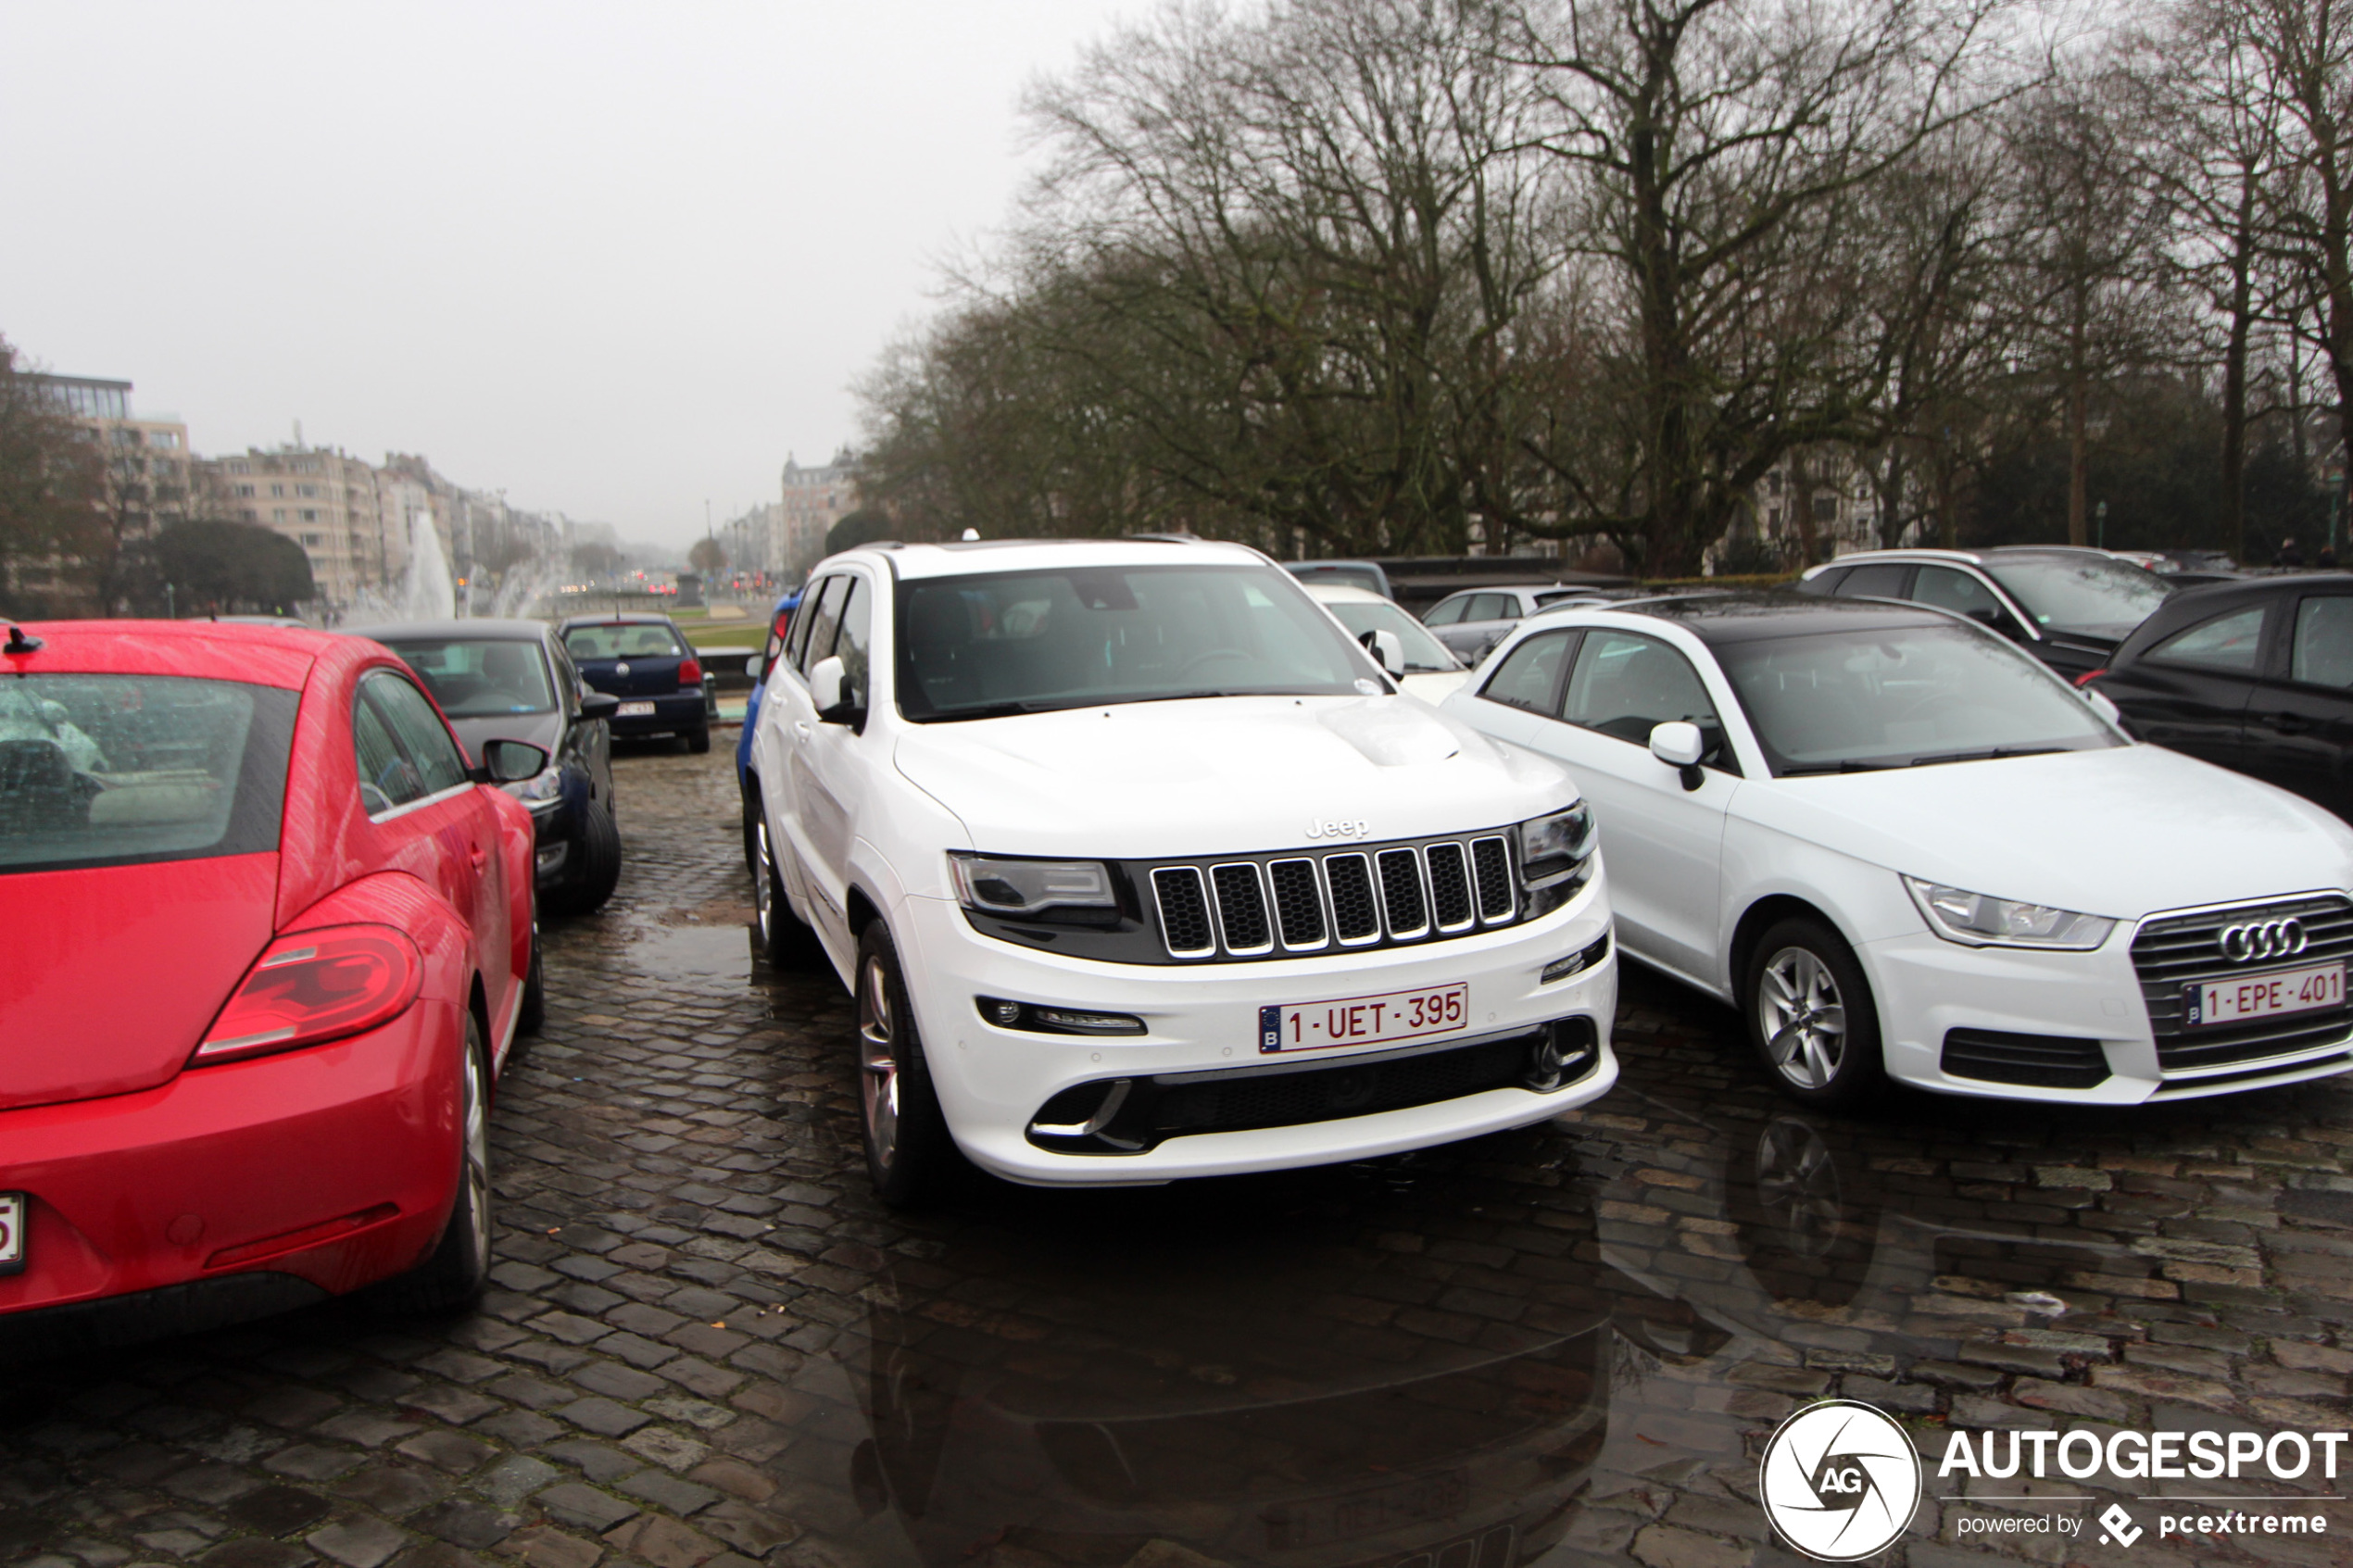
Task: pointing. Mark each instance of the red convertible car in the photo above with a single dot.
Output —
(268, 938)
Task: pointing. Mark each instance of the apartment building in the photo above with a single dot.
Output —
(814, 499)
(322, 499)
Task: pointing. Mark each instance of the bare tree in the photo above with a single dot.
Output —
(1723, 146)
(50, 481)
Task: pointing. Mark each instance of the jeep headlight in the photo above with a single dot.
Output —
(999, 884)
(1555, 857)
(1978, 920)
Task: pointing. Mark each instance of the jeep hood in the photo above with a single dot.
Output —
(1223, 775)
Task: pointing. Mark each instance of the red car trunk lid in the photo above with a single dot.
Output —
(110, 974)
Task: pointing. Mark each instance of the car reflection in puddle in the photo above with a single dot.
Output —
(1241, 1419)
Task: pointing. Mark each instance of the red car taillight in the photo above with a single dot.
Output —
(314, 986)
(690, 671)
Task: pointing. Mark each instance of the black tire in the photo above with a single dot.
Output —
(752, 828)
(1811, 1017)
(784, 940)
(455, 1274)
(698, 741)
(531, 1016)
(907, 1146)
(593, 879)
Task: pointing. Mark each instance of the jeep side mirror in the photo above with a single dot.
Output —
(825, 691)
(1387, 650)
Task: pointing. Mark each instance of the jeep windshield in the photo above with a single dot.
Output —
(1029, 642)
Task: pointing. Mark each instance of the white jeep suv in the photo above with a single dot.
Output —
(1139, 868)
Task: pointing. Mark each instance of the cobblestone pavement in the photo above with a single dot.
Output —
(708, 1346)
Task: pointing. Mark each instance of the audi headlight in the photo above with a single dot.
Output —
(1978, 920)
(541, 791)
(998, 885)
(1556, 858)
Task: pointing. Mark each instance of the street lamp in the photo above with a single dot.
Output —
(2099, 514)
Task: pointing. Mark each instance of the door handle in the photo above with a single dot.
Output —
(800, 729)
(477, 854)
(2289, 723)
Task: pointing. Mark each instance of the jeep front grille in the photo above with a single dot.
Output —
(1274, 905)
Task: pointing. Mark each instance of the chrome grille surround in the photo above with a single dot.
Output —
(2180, 947)
(1287, 903)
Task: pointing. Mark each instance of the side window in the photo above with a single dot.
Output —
(2227, 642)
(821, 625)
(857, 632)
(1884, 580)
(1492, 606)
(2324, 654)
(567, 676)
(419, 730)
(386, 776)
(796, 635)
(1824, 582)
(1530, 676)
(1448, 612)
(1625, 682)
(1948, 589)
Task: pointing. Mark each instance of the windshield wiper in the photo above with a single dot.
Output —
(1003, 709)
(1986, 756)
(1849, 765)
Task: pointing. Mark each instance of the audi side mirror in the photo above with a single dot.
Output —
(511, 761)
(1680, 745)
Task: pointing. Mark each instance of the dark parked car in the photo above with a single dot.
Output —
(512, 680)
(2069, 608)
(645, 661)
(757, 667)
(2254, 674)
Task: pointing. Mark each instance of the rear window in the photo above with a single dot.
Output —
(476, 680)
(119, 770)
(622, 642)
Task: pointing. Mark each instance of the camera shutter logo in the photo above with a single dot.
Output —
(1840, 1480)
(2264, 939)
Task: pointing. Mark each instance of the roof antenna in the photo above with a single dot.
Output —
(18, 642)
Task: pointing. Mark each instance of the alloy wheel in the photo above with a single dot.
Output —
(1801, 1017)
(477, 1173)
(763, 883)
(878, 1061)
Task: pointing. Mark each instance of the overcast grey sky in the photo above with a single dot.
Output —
(611, 259)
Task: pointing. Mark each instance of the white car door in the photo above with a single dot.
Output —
(832, 761)
(1663, 844)
(788, 724)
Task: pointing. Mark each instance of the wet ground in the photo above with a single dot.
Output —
(708, 1346)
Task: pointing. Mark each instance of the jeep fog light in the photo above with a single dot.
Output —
(1565, 1052)
(1041, 1019)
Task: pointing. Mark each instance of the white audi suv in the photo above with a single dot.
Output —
(1138, 867)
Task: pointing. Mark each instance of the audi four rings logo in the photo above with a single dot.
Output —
(2264, 939)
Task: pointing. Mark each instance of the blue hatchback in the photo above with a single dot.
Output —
(779, 622)
(647, 662)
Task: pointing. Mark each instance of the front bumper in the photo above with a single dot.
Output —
(217, 1174)
(1204, 1019)
(1927, 988)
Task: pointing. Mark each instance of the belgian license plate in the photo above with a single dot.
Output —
(1364, 1020)
(2264, 995)
(633, 711)
(11, 1231)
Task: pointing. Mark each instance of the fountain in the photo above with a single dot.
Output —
(429, 594)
